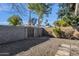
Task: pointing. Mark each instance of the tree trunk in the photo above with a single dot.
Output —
(76, 9)
(39, 26)
(39, 22)
(29, 18)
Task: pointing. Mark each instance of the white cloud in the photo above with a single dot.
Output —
(3, 23)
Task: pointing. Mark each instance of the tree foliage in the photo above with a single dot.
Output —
(74, 20)
(47, 23)
(33, 21)
(66, 9)
(15, 20)
(67, 13)
(61, 22)
(40, 9)
(68, 21)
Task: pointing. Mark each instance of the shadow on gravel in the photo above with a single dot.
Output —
(13, 48)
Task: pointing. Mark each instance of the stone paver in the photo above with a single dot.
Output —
(64, 50)
(62, 53)
(65, 45)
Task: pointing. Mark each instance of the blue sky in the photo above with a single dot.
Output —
(6, 11)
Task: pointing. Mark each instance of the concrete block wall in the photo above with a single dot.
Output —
(35, 32)
(38, 32)
(11, 33)
(14, 33)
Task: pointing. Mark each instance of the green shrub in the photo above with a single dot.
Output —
(57, 32)
(15, 20)
(61, 22)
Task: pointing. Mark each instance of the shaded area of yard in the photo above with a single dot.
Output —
(13, 48)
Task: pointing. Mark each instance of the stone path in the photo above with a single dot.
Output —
(64, 50)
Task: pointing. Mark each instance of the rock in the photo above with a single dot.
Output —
(76, 34)
(68, 31)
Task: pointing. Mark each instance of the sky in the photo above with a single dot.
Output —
(6, 11)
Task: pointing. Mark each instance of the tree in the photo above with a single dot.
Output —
(69, 12)
(66, 9)
(15, 20)
(40, 9)
(76, 9)
(47, 23)
(33, 21)
(74, 20)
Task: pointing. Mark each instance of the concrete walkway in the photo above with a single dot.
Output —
(64, 50)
